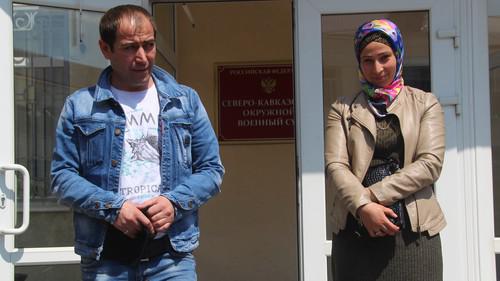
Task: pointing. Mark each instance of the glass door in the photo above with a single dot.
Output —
(51, 51)
(435, 52)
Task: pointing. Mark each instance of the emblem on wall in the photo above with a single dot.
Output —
(268, 85)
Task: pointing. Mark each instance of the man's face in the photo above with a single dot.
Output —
(133, 54)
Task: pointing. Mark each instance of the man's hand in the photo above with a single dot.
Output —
(160, 212)
(374, 218)
(131, 220)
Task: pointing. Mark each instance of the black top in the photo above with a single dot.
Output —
(389, 143)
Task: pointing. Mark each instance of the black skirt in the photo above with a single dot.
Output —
(406, 256)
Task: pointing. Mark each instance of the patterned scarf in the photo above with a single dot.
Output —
(382, 97)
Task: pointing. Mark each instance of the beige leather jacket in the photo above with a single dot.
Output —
(349, 143)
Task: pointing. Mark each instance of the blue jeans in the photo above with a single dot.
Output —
(168, 267)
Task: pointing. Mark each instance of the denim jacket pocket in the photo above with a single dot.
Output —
(183, 132)
(91, 140)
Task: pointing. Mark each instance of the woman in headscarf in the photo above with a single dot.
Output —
(384, 150)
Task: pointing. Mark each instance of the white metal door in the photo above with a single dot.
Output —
(467, 252)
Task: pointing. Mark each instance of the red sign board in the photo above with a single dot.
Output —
(255, 102)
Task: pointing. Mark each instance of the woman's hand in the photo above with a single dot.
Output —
(374, 218)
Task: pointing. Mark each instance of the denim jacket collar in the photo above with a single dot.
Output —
(164, 82)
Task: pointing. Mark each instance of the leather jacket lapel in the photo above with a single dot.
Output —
(361, 113)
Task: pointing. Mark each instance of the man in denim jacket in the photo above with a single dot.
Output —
(135, 157)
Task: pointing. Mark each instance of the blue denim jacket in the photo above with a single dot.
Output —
(88, 152)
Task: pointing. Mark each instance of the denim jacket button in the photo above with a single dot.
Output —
(96, 205)
(114, 163)
(190, 204)
(118, 131)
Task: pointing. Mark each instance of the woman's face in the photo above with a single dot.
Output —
(378, 64)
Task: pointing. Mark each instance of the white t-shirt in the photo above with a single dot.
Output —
(140, 177)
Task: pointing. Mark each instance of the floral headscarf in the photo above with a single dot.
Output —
(385, 95)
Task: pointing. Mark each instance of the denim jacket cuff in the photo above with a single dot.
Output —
(178, 212)
(114, 211)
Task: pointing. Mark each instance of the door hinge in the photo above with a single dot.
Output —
(452, 101)
(2, 201)
(450, 34)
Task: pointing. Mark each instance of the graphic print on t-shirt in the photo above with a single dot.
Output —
(140, 171)
(141, 142)
(144, 149)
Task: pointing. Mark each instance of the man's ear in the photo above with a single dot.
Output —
(105, 49)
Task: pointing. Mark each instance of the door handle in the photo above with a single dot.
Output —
(26, 198)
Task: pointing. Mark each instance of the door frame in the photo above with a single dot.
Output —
(470, 22)
(494, 11)
(7, 109)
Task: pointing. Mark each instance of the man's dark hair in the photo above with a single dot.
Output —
(110, 21)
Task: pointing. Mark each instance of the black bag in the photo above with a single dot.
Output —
(119, 247)
(377, 173)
